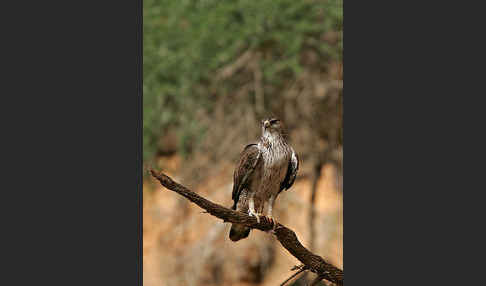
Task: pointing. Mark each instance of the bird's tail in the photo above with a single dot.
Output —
(238, 231)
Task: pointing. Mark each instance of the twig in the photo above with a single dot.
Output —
(316, 280)
(287, 238)
(302, 269)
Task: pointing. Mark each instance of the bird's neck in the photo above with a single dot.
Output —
(270, 140)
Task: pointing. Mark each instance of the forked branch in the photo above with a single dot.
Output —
(301, 269)
(284, 235)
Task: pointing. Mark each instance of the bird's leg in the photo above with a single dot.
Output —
(251, 209)
(271, 202)
(270, 207)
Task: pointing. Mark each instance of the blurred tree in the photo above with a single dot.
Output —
(219, 66)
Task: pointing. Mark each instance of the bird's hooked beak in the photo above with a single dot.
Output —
(266, 124)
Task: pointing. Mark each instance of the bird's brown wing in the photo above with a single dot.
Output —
(249, 159)
(291, 172)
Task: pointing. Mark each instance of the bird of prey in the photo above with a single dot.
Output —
(265, 169)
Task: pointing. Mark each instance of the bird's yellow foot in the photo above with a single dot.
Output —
(255, 214)
(272, 220)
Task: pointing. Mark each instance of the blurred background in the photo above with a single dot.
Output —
(212, 70)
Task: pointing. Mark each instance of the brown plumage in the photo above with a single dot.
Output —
(263, 171)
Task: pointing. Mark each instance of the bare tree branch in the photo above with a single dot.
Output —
(316, 280)
(317, 166)
(286, 237)
(301, 268)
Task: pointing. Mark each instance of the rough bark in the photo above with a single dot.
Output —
(287, 238)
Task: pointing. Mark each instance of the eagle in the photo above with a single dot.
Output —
(265, 169)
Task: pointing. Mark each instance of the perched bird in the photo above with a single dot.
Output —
(265, 169)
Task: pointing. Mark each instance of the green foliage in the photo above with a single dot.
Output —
(187, 41)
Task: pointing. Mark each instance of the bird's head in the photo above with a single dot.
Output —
(272, 126)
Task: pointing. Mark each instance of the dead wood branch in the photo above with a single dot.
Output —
(286, 237)
(301, 268)
(316, 281)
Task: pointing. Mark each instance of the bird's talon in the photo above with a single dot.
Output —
(271, 220)
(256, 215)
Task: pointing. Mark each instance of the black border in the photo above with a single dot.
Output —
(73, 110)
(70, 135)
(139, 145)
